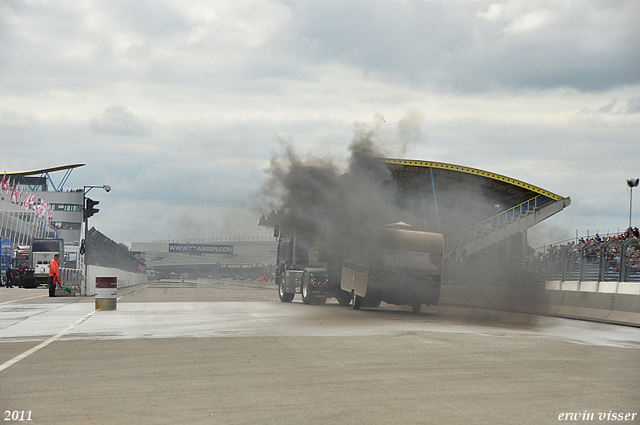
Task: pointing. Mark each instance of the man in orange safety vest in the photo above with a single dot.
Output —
(54, 275)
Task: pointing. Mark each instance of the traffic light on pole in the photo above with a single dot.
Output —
(90, 208)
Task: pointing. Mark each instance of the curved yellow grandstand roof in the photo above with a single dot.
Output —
(40, 171)
(473, 171)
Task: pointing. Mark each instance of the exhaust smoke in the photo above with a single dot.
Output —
(344, 203)
(329, 203)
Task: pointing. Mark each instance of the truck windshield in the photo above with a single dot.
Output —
(46, 246)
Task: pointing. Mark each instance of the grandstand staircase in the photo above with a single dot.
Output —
(506, 224)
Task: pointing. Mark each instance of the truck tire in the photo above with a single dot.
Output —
(415, 306)
(305, 289)
(356, 302)
(282, 286)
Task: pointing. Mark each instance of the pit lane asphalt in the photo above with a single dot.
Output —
(230, 352)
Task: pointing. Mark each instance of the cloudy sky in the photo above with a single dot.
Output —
(180, 105)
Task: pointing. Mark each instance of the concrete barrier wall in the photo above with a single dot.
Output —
(125, 279)
(632, 288)
(629, 288)
(609, 308)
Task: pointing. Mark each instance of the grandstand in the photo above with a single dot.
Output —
(480, 213)
(483, 216)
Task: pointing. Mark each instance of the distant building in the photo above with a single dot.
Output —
(246, 259)
(34, 207)
(67, 214)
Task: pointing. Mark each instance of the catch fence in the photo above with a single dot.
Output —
(101, 251)
(611, 261)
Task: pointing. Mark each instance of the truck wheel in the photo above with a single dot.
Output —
(284, 297)
(415, 306)
(356, 302)
(307, 298)
(344, 298)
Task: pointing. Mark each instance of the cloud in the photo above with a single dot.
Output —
(614, 106)
(519, 17)
(494, 13)
(633, 105)
(179, 105)
(530, 22)
(466, 47)
(119, 121)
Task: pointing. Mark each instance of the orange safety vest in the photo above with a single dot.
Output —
(53, 268)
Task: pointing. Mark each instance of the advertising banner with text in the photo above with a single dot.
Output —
(194, 248)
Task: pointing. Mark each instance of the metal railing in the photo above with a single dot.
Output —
(499, 220)
(71, 277)
(611, 261)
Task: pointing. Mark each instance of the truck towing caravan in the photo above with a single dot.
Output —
(398, 266)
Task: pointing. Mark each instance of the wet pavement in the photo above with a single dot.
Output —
(231, 352)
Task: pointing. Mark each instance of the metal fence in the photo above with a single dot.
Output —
(104, 252)
(71, 277)
(611, 261)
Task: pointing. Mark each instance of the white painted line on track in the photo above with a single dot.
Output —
(22, 299)
(27, 353)
(133, 292)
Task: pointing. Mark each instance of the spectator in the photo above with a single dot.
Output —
(10, 278)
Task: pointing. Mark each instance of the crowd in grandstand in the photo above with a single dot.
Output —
(591, 248)
(541, 266)
(555, 262)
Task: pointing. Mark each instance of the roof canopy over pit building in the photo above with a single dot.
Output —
(474, 209)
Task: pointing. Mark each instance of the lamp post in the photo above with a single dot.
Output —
(631, 183)
(87, 211)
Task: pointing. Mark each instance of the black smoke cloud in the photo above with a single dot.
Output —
(330, 204)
